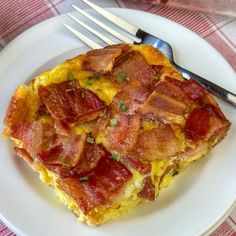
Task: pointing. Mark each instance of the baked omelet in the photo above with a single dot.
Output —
(110, 128)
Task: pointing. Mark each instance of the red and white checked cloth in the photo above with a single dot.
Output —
(220, 31)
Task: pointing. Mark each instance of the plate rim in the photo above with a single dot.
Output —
(29, 30)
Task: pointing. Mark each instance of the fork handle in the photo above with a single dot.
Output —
(216, 90)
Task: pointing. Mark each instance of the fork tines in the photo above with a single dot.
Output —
(131, 29)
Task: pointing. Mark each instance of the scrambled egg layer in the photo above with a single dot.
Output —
(105, 89)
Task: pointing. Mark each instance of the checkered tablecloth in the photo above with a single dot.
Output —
(219, 30)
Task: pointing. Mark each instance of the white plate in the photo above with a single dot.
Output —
(191, 206)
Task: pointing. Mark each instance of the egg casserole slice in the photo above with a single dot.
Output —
(110, 128)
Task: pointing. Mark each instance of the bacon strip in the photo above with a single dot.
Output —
(66, 151)
(88, 160)
(123, 136)
(133, 161)
(70, 103)
(87, 195)
(157, 143)
(103, 60)
(41, 141)
(36, 136)
(197, 124)
(161, 106)
(132, 95)
(148, 190)
(135, 67)
(104, 183)
(206, 123)
(191, 88)
(112, 174)
(170, 89)
(24, 154)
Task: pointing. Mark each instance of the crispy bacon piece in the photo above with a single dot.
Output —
(172, 90)
(157, 69)
(136, 84)
(104, 183)
(112, 174)
(70, 103)
(123, 136)
(148, 190)
(24, 154)
(132, 95)
(103, 60)
(194, 90)
(41, 141)
(206, 122)
(167, 99)
(157, 102)
(88, 195)
(89, 159)
(36, 136)
(66, 151)
(133, 161)
(157, 143)
(135, 67)
(101, 123)
(197, 124)
(191, 88)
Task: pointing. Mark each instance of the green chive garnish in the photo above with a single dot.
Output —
(115, 156)
(65, 165)
(99, 90)
(123, 106)
(120, 77)
(96, 77)
(37, 116)
(155, 77)
(90, 140)
(89, 82)
(70, 76)
(113, 122)
(176, 172)
(83, 179)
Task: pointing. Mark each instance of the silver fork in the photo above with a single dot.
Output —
(140, 36)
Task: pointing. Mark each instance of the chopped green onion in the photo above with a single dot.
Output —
(70, 76)
(120, 77)
(37, 116)
(90, 140)
(123, 106)
(115, 156)
(65, 165)
(83, 179)
(176, 172)
(113, 122)
(155, 77)
(89, 82)
(97, 77)
(99, 90)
